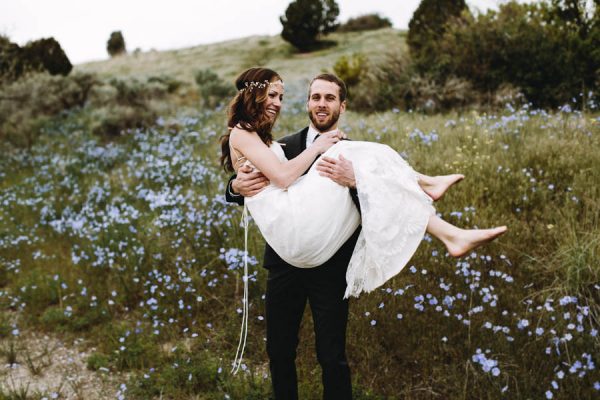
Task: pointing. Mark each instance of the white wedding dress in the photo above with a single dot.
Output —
(308, 223)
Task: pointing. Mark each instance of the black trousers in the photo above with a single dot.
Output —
(288, 291)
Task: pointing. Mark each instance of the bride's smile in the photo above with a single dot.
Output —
(274, 99)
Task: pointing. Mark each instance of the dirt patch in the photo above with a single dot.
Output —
(44, 365)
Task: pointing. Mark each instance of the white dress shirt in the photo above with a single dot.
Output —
(312, 134)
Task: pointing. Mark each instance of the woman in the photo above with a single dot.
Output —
(305, 219)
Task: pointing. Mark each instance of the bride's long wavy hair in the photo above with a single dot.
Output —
(247, 109)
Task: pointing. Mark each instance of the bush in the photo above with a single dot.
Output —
(365, 22)
(27, 104)
(552, 60)
(11, 66)
(44, 55)
(384, 87)
(171, 84)
(395, 84)
(305, 20)
(351, 69)
(212, 89)
(427, 26)
(116, 44)
(126, 104)
(97, 360)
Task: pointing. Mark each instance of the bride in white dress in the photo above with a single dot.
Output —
(306, 218)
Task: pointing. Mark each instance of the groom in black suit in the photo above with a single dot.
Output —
(290, 288)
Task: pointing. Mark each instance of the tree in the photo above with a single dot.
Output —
(116, 44)
(546, 50)
(365, 23)
(46, 54)
(305, 20)
(38, 55)
(427, 26)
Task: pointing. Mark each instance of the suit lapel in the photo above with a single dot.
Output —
(294, 144)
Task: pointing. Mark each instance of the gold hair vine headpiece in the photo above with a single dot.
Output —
(261, 85)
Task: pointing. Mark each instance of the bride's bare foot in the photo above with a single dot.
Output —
(468, 239)
(436, 186)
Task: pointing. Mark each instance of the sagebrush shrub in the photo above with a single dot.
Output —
(212, 89)
(351, 69)
(27, 104)
(365, 23)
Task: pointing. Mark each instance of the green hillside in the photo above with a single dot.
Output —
(230, 57)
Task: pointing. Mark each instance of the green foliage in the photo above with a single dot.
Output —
(28, 104)
(97, 360)
(115, 45)
(305, 20)
(427, 26)
(394, 83)
(54, 318)
(185, 374)
(126, 104)
(47, 55)
(367, 22)
(351, 69)
(43, 55)
(547, 51)
(5, 325)
(139, 223)
(171, 84)
(212, 89)
(550, 59)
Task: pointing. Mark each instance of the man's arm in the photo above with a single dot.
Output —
(230, 194)
(246, 183)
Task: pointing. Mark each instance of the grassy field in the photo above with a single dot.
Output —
(130, 244)
(231, 57)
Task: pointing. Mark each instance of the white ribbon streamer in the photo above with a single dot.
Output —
(239, 354)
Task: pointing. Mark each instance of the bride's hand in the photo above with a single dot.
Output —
(326, 140)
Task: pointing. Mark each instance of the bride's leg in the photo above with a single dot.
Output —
(460, 241)
(436, 186)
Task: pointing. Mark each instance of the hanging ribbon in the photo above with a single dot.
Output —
(239, 354)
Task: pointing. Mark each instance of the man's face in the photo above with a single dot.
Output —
(324, 106)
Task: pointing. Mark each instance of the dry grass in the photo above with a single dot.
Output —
(231, 57)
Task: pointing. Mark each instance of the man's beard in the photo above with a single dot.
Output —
(325, 126)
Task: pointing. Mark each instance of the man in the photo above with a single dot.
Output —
(288, 287)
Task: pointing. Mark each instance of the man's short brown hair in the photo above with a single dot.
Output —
(334, 79)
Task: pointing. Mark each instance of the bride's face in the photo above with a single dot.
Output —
(274, 99)
(324, 105)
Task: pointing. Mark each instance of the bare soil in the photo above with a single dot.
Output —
(44, 365)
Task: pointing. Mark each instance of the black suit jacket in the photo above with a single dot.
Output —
(292, 146)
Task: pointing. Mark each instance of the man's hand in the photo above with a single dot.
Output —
(339, 171)
(248, 183)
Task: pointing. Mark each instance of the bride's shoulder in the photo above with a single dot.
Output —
(237, 133)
